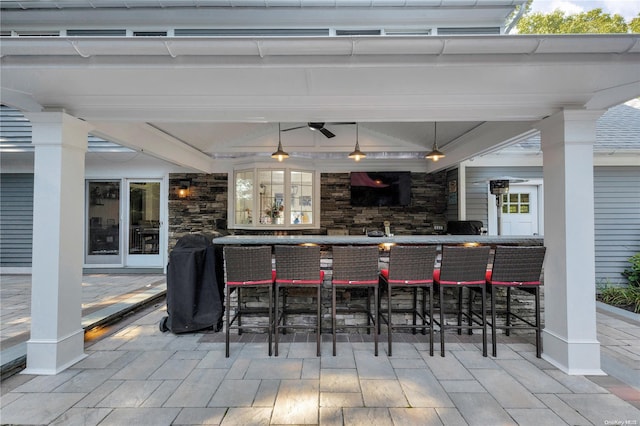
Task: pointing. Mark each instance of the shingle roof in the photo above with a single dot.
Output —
(617, 130)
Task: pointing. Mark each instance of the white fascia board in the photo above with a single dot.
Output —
(355, 16)
(489, 49)
(620, 158)
(487, 137)
(145, 138)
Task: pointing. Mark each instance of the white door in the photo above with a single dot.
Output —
(144, 229)
(520, 210)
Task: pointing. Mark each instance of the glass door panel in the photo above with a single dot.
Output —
(301, 198)
(103, 223)
(244, 198)
(271, 196)
(144, 235)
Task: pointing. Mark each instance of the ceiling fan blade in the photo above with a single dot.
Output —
(326, 132)
(293, 128)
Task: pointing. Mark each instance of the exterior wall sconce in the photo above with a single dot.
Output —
(435, 153)
(357, 155)
(185, 189)
(280, 154)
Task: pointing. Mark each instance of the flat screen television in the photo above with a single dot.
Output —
(375, 189)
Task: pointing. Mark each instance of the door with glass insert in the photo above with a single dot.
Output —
(520, 210)
(144, 227)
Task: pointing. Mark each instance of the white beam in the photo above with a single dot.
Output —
(483, 138)
(145, 138)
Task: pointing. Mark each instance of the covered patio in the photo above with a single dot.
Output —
(180, 101)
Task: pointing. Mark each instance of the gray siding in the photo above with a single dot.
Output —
(477, 192)
(16, 219)
(616, 208)
(617, 220)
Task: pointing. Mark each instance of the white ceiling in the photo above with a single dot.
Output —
(193, 100)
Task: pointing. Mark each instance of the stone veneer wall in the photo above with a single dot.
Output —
(205, 208)
(428, 206)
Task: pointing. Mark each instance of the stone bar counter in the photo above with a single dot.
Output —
(328, 240)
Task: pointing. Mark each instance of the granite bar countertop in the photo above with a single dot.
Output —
(364, 240)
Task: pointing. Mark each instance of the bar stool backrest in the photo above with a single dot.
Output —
(297, 263)
(247, 264)
(355, 263)
(464, 264)
(518, 264)
(411, 263)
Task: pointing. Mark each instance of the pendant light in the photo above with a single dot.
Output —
(357, 155)
(435, 153)
(280, 154)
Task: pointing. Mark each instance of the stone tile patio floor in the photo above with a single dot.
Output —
(135, 375)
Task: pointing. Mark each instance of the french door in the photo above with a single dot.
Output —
(124, 223)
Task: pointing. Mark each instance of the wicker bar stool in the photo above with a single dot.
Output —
(462, 267)
(516, 268)
(356, 267)
(248, 268)
(297, 267)
(410, 267)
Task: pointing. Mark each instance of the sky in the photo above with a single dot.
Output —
(629, 9)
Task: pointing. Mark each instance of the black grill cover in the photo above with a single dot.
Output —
(194, 292)
(464, 227)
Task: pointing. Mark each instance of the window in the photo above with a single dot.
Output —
(515, 203)
(275, 198)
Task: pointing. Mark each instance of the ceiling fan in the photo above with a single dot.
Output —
(319, 127)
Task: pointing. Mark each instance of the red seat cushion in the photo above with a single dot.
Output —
(310, 282)
(258, 282)
(436, 279)
(489, 277)
(385, 275)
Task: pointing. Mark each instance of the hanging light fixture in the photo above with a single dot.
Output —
(435, 153)
(357, 155)
(279, 154)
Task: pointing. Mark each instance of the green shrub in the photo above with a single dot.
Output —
(622, 296)
(632, 274)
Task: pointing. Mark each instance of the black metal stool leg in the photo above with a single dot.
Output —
(375, 307)
(459, 310)
(484, 321)
(270, 328)
(318, 319)
(389, 321)
(538, 323)
(430, 320)
(494, 346)
(508, 323)
(228, 309)
(277, 320)
(442, 325)
(333, 318)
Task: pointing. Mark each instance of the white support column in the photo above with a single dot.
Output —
(57, 338)
(569, 339)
